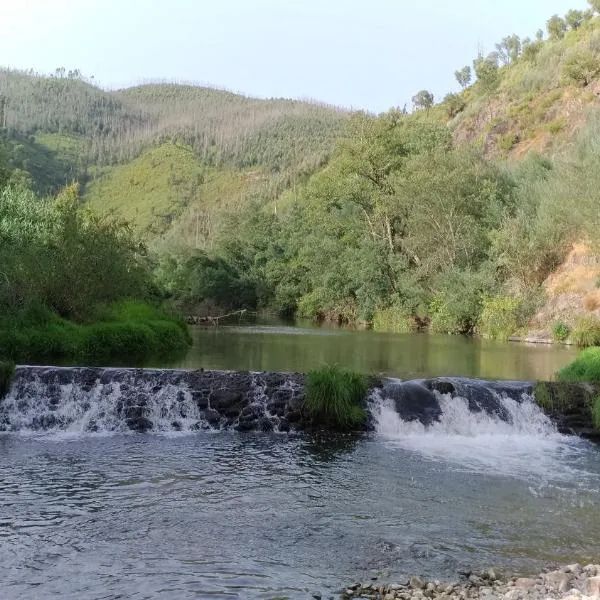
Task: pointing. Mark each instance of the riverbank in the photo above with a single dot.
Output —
(572, 582)
(130, 330)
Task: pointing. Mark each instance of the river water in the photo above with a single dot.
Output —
(219, 514)
(281, 348)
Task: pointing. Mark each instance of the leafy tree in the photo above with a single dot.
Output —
(463, 76)
(556, 27)
(575, 18)
(531, 49)
(486, 70)
(509, 49)
(595, 4)
(423, 99)
(581, 67)
(539, 35)
(454, 104)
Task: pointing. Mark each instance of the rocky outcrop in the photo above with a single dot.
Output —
(570, 406)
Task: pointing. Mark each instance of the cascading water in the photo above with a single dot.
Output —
(500, 431)
(86, 400)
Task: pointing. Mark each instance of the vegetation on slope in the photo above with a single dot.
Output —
(398, 220)
(65, 277)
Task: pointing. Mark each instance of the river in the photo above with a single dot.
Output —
(285, 348)
(88, 514)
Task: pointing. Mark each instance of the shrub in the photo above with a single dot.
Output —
(334, 397)
(581, 67)
(393, 320)
(499, 317)
(560, 331)
(7, 370)
(586, 367)
(587, 332)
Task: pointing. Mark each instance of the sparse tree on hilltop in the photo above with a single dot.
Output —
(423, 99)
(574, 18)
(486, 69)
(463, 76)
(556, 27)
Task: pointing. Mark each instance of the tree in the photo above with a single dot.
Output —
(581, 67)
(556, 27)
(595, 4)
(423, 99)
(574, 18)
(486, 69)
(463, 76)
(539, 35)
(454, 104)
(509, 49)
(531, 49)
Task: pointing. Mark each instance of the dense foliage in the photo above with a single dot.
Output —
(65, 275)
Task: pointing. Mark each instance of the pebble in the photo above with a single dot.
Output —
(571, 582)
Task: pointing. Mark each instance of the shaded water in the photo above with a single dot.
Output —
(279, 348)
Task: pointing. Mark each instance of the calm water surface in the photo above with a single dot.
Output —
(279, 348)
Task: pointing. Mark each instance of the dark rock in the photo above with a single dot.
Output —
(140, 424)
(176, 425)
(212, 416)
(294, 416)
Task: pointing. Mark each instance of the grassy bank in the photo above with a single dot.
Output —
(129, 330)
(334, 399)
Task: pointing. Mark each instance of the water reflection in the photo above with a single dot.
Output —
(264, 348)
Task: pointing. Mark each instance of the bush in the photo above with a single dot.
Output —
(500, 317)
(393, 320)
(560, 331)
(587, 332)
(586, 367)
(126, 330)
(334, 397)
(7, 370)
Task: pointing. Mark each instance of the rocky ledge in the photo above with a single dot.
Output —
(572, 582)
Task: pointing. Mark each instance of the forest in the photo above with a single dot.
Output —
(449, 217)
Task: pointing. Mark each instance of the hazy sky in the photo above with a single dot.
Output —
(370, 54)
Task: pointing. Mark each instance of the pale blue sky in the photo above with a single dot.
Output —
(370, 54)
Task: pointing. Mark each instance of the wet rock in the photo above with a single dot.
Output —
(212, 416)
(140, 424)
(417, 583)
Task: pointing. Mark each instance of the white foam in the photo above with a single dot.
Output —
(526, 444)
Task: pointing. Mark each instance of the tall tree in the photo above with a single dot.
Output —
(423, 99)
(463, 76)
(486, 69)
(574, 18)
(556, 27)
(595, 4)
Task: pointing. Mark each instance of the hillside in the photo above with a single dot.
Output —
(529, 95)
(153, 152)
(455, 217)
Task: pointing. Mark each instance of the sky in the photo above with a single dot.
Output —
(360, 54)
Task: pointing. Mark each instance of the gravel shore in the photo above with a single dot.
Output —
(573, 582)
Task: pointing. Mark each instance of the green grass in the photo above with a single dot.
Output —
(586, 367)
(334, 398)
(587, 332)
(126, 330)
(7, 370)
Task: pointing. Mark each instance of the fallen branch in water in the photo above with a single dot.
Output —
(214, 321)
